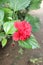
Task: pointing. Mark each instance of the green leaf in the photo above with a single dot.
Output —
(1, 15)
(15, 4)
(19, 4)
(9, 27)
(7, 10)
(2, 35)
(35, 4)
(30, 43)
(8, 14)
(3, 2)
(4, 42)
(34, 21)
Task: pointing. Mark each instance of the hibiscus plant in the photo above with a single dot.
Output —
(16, 22)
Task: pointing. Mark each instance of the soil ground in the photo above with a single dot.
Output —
(10, 55)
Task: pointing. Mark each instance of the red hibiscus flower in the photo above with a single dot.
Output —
(23, 30)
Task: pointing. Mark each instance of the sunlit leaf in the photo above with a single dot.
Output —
(9, 27)
(4, 42)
